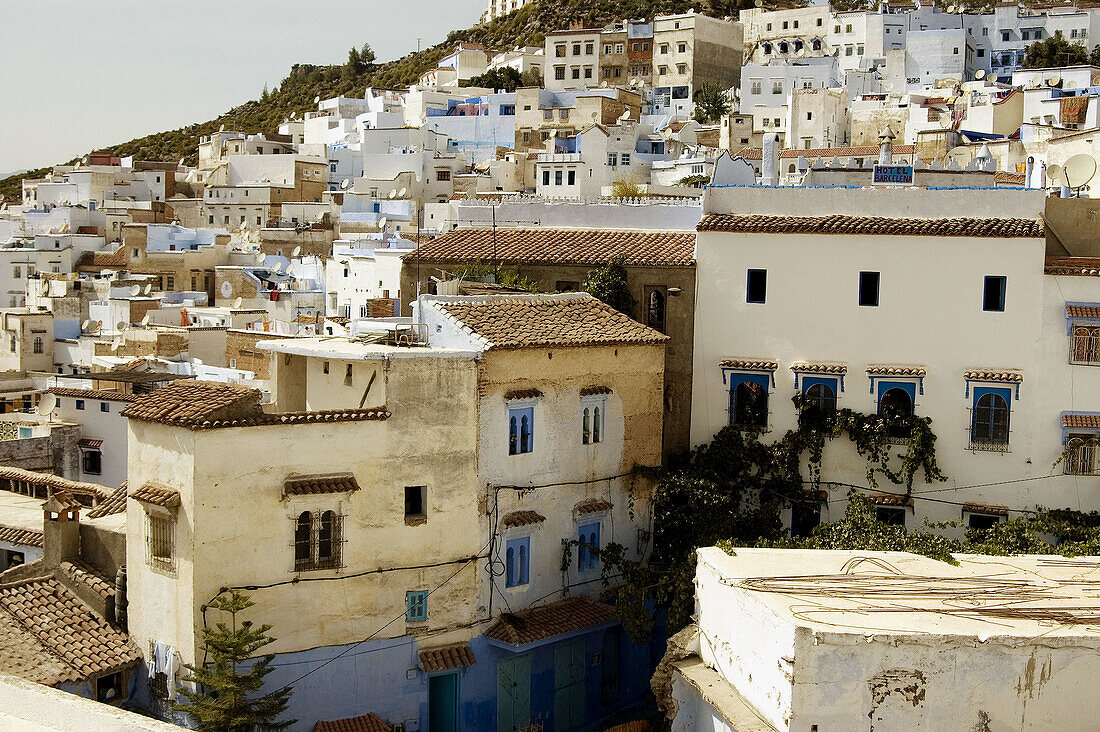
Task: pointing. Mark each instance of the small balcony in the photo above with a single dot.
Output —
(1080, 457)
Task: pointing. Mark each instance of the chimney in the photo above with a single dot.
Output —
(769, 162)
(61, 529)
(886, 146)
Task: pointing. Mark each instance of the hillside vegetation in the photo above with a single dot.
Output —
(296, 92)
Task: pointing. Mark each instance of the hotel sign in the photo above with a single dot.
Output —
(893, 175)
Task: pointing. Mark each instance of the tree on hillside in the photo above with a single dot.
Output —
(711, 102)
(506, 78)
(224, 700)
(360, 59)
(1055, 51)
(608, 283)
(1094, 57)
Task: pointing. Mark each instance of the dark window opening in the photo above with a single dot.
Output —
(895, 406)
(655, 308)
(757, 288)
(893, 515)
(93, 462)
(749, 405)
(993, 299)
(990, 421)
(868, 289)
(981, 521)
(414, 502)
(820, 403)
(805, 515)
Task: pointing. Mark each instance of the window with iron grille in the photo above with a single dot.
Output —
(318, 540)
(160, 542)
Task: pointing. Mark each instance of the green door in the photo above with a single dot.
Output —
(569, 685)
(514, 694)
(443, 703)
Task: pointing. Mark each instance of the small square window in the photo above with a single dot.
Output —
(868, 289)
(982, 521)
(416, 606)
(993, 298)
(756, 289)
(92, 462)
(80, 404)
(517, 562)
(414, 503)
(893, 515)
(104, 407)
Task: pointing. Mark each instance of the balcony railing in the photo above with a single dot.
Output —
(1080, 458)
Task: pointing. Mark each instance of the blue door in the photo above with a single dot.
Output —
(569, 685)
(514, 694)
(443, 703)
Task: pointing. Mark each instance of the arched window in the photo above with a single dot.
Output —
(510, 567)
(896, 407)
(749, 406)
(790, 168)
(597, 423)
(302, 527)
(767, 49)
(326, 539)
(783, 47)
(815, 44)
(525, 434)
(523, 566)
(513, 437)
(586, 427)
(656, 313)
(1085, 342)
(990, 422)
(820, 403)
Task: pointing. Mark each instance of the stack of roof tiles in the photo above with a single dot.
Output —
(872, 225)
(369, 722)
(445, 657)
(55, 482)
(560, 246)
(576, 319)
(535, 624)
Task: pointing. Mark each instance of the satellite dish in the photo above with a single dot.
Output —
(951, 8)
(277, 268)
(624, 116)
(1078, 171)
(47, 404)
(758, 3)
(121, 326)
(401, 193)
(603, 84)
(297, 251)
(345, 183)
(1071, 84)
(148, 288)
(115, 344)
(97, 325)
(888, 86)
(181, 161)
(85, 324)
(1054, 171)
(979, 74)
(237, 303)
(260, 257)
(382, 222)
(1054, 79)
(290, 269)
(393, 193)
(135, 290)
(145, 321)
(317, 99)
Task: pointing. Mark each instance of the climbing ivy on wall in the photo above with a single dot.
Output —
(733, 488)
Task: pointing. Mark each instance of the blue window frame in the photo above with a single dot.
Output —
(749, 399)
(588, 536)
(416, 606)
(820, 393)
(517, 562)
(989, 419)
(521, 430)
(80, 404)
(897, 399)
(104, 407)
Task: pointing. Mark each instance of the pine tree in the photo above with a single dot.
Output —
(223, 701)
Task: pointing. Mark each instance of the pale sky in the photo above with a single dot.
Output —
(76, 75)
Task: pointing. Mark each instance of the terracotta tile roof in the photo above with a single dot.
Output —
(749, 364)
(991, 375)
(445, 657)
(95, 261)
(112, 396)
(819, 494)
(157, 495)
(369, 722)
(870, 225)
(314, 484)
(89, 442)
(186, 403)
(23, 537)
(994, 509)
(749, 153)
(1082, 421)
(522, 394)
(535, 624)
(890, 499)
(87, 644)
(528, 321)
(1089, 312)
(592, 505)
(23, 655)
(114, 503)
(560, 246)
(293, 418)
(593, 390)
(89, 577)
(859, 151)
(522, 518)
(1073, 266)
(1006, 178)
(819, 367)
(888, 370)
(55, 482)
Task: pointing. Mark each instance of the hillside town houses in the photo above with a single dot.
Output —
(364, 367)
